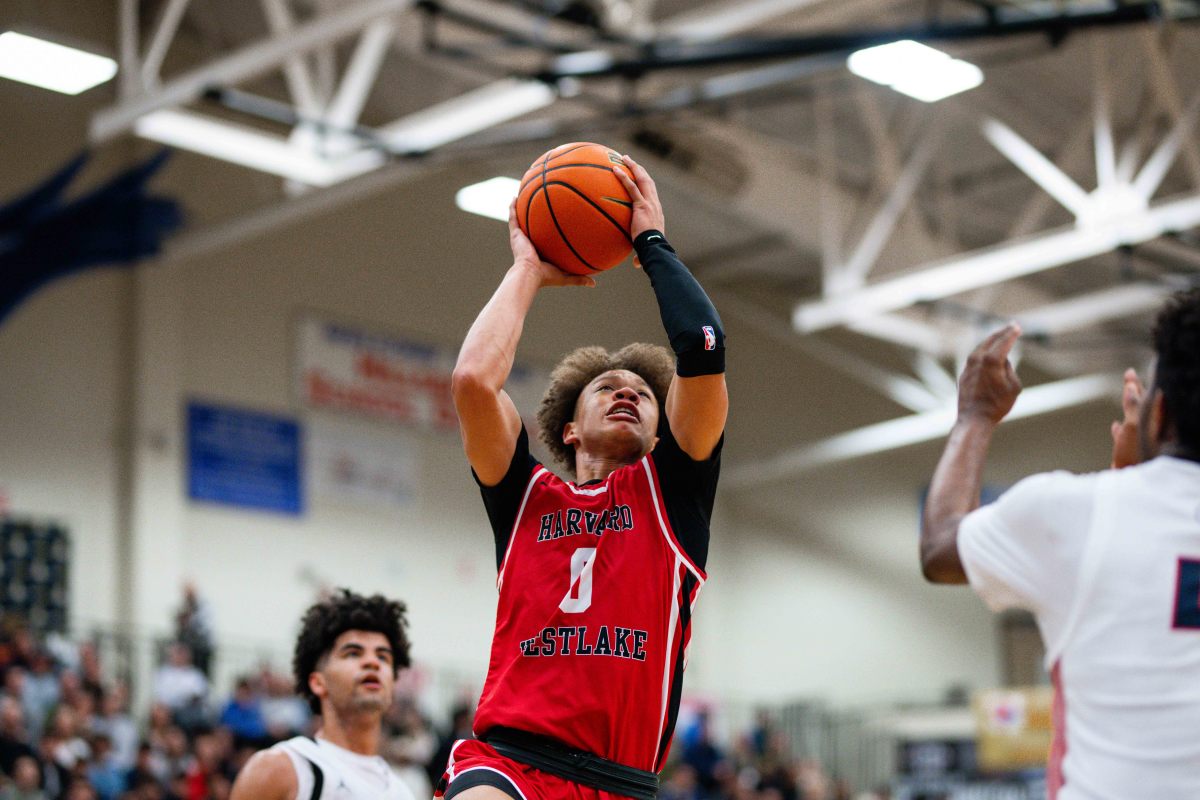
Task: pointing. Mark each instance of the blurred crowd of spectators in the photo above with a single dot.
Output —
(758, 765)
(67, 732)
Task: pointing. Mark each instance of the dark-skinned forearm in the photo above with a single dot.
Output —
(953, 493)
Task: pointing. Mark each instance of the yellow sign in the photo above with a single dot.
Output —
(1015, 728)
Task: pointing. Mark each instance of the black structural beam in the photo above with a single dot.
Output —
(438, 10)
(669, 55)
(988, 7)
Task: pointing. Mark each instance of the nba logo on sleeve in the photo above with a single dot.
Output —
(1187, 596)
(710, 338)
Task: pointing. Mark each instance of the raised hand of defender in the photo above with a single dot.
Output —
(647, 208)
(526, 255)
(989, 385)
(1125, 432)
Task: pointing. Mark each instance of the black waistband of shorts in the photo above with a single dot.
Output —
(578, 766)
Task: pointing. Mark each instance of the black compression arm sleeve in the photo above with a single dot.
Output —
(689, 317)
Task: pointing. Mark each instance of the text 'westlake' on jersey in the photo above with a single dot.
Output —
(596, 597)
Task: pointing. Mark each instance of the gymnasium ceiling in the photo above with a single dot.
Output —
(813, 202)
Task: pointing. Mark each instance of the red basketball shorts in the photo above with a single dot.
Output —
(470, 758)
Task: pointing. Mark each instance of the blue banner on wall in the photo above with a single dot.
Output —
(244, 458)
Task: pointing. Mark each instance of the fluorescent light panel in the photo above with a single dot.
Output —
(467, 114)
(342, 157)
(51, 66)
(490, 198)
(251, 148)
(916, 70)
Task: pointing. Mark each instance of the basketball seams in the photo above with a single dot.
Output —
(547, 157)
(562, 166)
(590, 202)
(563, 234)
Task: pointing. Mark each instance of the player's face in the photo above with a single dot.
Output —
(616, 416)
(357, 675)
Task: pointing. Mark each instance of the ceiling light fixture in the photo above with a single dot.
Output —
(916, 70)
(252, 148)
(490, 198)
(52, 66)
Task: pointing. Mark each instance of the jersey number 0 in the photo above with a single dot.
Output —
(579, 593)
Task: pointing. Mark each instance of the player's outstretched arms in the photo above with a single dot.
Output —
(987, 390)
(698, 401)
(488, 421)
(1125, 451)
(268, 775)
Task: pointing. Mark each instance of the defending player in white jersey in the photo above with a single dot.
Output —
(347, 657)
(1109, 564)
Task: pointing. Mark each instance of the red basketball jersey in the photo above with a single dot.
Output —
(596, 600)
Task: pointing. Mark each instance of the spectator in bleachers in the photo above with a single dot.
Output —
(460, 728)
(284, 712)
(91, 676)
(220, 787)
(54, 777)
(157, 725)
(105, 775)
(41, 691)
(180, 686)
(14, 738)
(193, 627)
(779, 775)
(205, 766)
(70, 748)
(408, 745)
(762, 735)
(238, 756)
(143, 772)
(812, 782)
(176, 754)
(80, 789)
(14, 682)
(22, 647)
(682, 784)
(73, 696)
(701, 753)
(26, 781)
(177, 788)
(115, 722)
(243, 715)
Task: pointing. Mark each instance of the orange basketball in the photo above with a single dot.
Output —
(575, 210)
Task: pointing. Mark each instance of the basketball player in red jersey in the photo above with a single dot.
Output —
(597, 575)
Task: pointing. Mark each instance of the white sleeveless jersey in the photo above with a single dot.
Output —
(1110, 566)
(325, 771)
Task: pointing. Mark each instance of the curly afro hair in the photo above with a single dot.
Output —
(1177, 374)
(653, 363)
(325, 621)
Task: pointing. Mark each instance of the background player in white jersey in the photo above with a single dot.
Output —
(1109, 564)
(347, 656)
